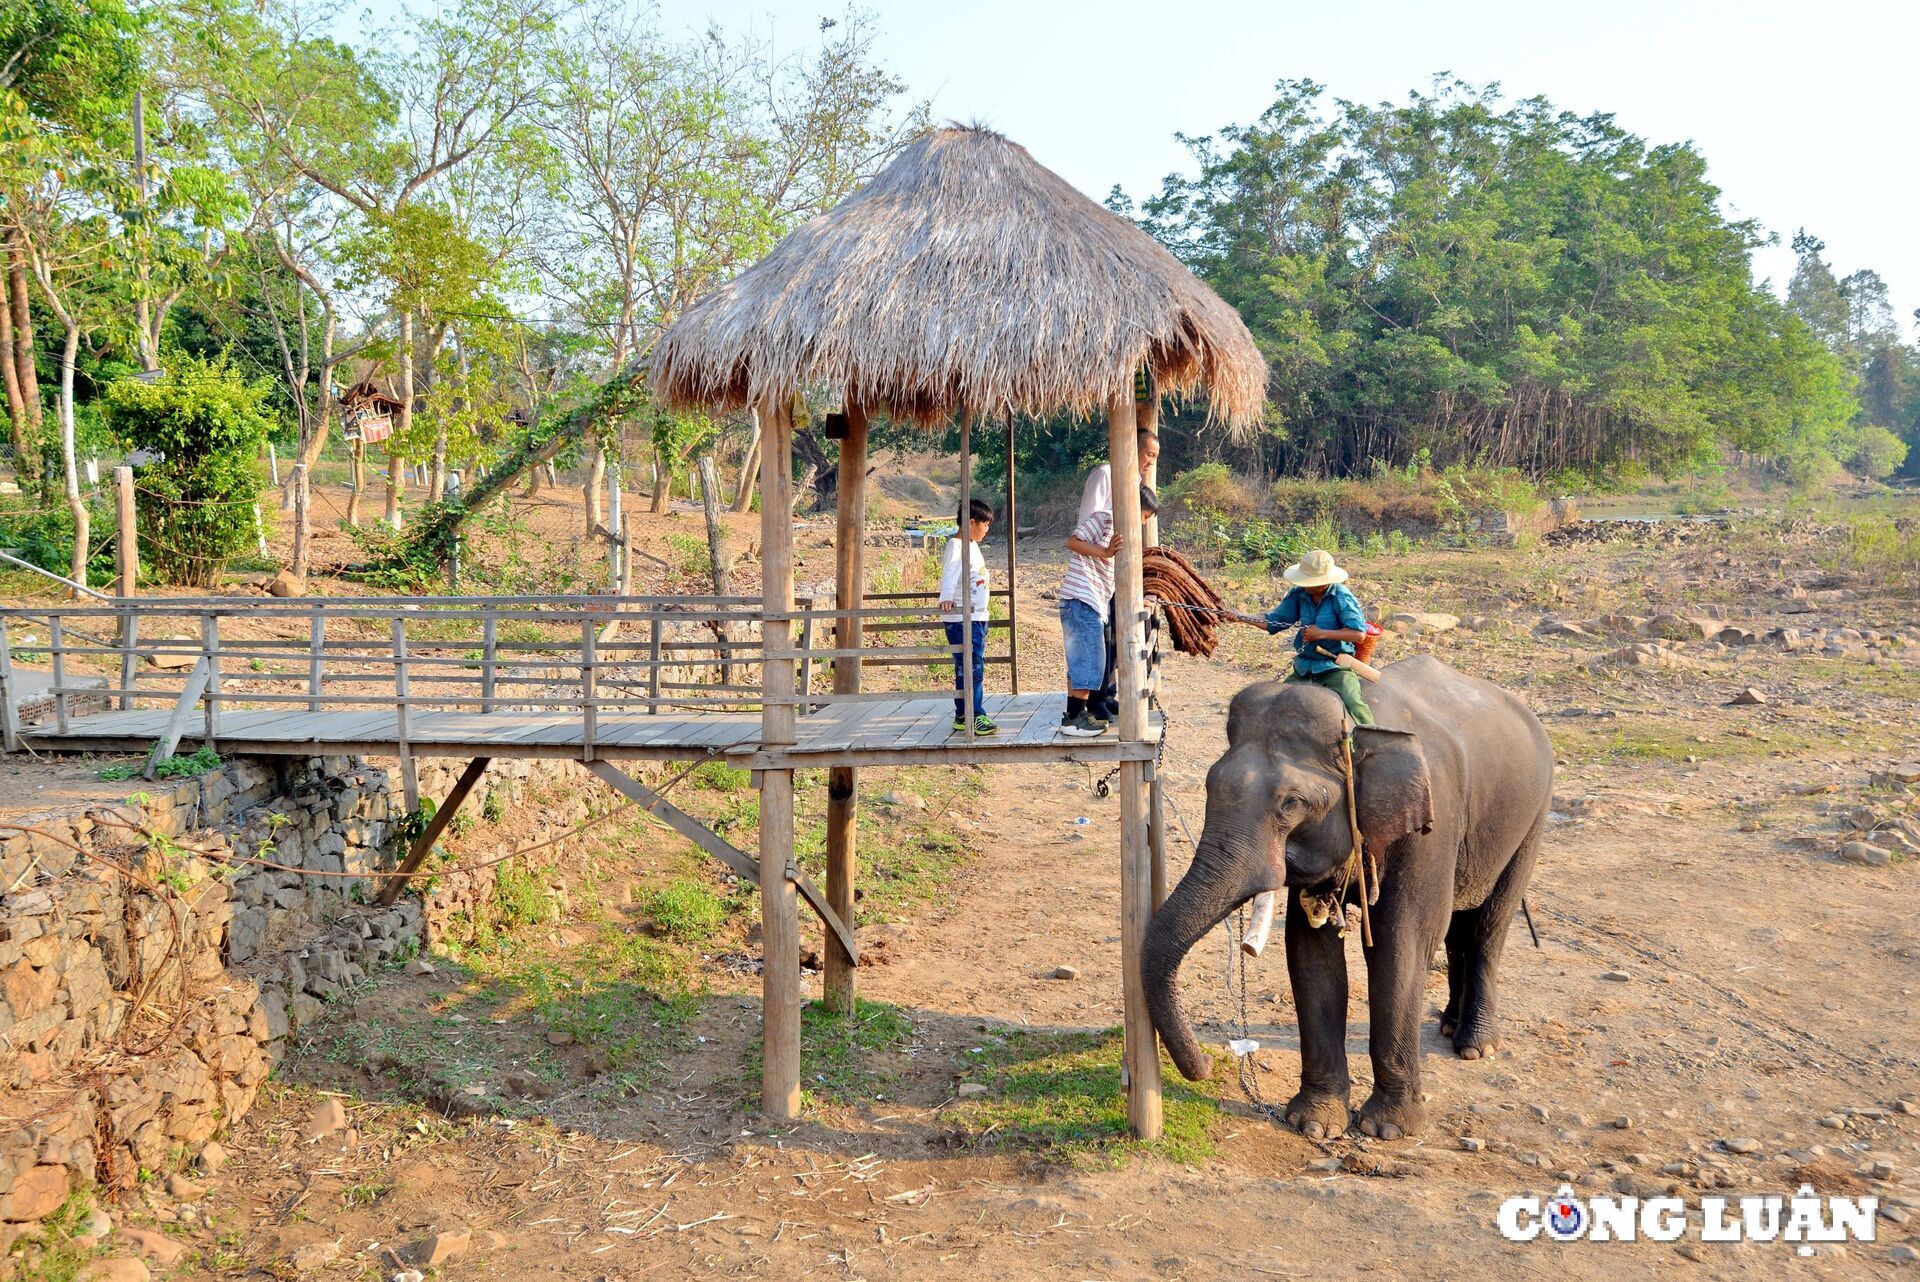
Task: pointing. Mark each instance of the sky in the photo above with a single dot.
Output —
(1805, 113)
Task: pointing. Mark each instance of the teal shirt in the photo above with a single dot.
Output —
(1337, 608)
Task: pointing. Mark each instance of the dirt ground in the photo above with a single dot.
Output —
(1709, 969)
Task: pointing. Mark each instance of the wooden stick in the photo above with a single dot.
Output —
(1013, 566)
(126, 550)
(779, 910)
(423, 844)
(966, 573)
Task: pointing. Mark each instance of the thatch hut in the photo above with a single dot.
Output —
(968, 282)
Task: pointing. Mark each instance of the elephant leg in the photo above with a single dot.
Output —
(1477, 1031)
(1404, 936)
(1459, 962)
(1317, 971)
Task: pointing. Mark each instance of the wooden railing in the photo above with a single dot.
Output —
(598, 656)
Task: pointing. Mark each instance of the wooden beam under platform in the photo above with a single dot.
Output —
(423, 844)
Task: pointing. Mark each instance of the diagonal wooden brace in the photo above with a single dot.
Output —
(732, 856)
(423, 844)
(163, 747)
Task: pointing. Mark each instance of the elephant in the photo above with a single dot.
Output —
(1453, 787)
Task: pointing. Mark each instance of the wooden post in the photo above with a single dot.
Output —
(1147, 414)
(127, 545)
(656, 618)
(779, 904)
(259, 531)
(302, 521)
(717, 556)
(57, 646)
(615, 524)
(9, 698)
(489, 648)
(589, 690)
(316, 656)
(1013, 566)
(849, 593)
(210, 643)
(423, 844)
(273, 464)
(968, 711)
(1141, 1069)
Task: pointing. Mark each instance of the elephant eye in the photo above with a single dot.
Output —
(1292, 803)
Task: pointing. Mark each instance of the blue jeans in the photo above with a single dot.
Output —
(1083, 633)
(954, 633)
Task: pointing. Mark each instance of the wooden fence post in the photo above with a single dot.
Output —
(210, 645)
(302, 521)
(126, 550)
(1141, 1065)
(779, 905)
(843, 784)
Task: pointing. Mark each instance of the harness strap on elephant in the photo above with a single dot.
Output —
(1360, 864)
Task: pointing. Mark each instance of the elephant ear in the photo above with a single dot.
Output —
(1392, 785)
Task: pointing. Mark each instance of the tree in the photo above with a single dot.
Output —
(204, 425)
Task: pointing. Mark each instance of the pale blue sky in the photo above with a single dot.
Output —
(1805, 112)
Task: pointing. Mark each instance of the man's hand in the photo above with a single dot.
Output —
(1311, 633)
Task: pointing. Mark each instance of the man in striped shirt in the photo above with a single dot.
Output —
(1086, 597)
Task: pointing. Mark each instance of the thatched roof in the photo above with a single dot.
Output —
(965, 279)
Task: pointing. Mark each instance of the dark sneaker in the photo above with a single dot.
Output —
(1084, 726)
(1107, 711)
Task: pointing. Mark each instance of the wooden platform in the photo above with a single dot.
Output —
(906, 731)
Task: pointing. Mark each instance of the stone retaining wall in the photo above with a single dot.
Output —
(147, 987)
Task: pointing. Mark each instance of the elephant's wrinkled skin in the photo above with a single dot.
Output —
(1453, 790)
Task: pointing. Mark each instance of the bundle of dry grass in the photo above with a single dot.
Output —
(965, 279)
(1195, 610)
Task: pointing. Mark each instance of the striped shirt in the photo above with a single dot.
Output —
(1090, 578)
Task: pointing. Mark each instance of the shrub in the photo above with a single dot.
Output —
(1877, 453)
(685, 909)
(1211, 490)
(205, 425)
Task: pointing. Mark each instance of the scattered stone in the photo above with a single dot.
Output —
(1690, 1251)
(528, 1085)
(967, 1090)
(1622, 1123)
(329, 1118)
(559, 1037)
(1865, 854)
(1472, 1144)
(98, 1225)
(286, 583)
(1616, 976)
(183, 1188)
(1747, 698)
(313, 1256)
(36, 1194)
(212, 1159)
(117, 1269)
(1324, 1164)
(1883, 1170)
(1063, 972)
(420, 966)
(430, 1252)
(158, 1247)
(1906, 1106)
(1834, 1123)
(1540, 1112)
(1740, 1144)
(1903, 1254)
(1552, 627)
(1412, 621)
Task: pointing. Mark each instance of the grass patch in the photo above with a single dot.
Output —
(191, 766)
(1059, 1094)
(57, 1256)
(685, 909)
(907, 856)
(717, 775)
(844, 1059)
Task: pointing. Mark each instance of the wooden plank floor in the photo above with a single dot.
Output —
(910, 728)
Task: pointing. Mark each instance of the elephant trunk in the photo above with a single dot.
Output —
(1213, 887)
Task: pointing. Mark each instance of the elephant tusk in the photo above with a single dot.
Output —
(1262, 924)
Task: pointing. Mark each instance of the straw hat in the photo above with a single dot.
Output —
(1314, 570)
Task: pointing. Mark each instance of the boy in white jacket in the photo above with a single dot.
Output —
(963, 574)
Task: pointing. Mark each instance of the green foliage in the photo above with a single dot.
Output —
(1211, 491)
(690, 553)
(685, 909)
(1506, 286)
(206, 425)
(844, 1058)
(191, 766)
(1885, 546)
(44, 536)
(520, 897)
(1875, 453)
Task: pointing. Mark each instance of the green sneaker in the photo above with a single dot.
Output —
(982, 724)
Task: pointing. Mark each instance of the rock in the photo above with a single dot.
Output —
(115, 1269)
(1906, 1106)
(1689, 1251)
(429, 1252)
(1324, 1164)
(1834, 1123)
(1747, 698)
(1540, 1112)
(1622, 1123)
(420, 966)
(156, 1246)
(1413, 621)
(1881, 1170)
(35, 1194)
(1740, 1144)
(329, 1118)
(314, 1255)
(1616, 976)
(183, 1188)
(212, 1159)
(559, 1037)
(1903, 1254)
(527, 1085)
(1865, 854)
(967, 1090)
(1677, 627)
(1552, 627)
(1471, 1144)
(286, 583)
(97, 1226)
(1063, 972)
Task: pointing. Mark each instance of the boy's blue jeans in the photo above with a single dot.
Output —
(954, 633)
(1086, 647)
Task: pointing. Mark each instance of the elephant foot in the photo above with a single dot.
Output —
(1447, 1025)
(1317, 1114)
(1391, 1117)
(1474, 1039)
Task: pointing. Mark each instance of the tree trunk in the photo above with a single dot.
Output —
(359, 482)
(22, 355)
(596, 482)
(75, 503)
(403, 419)
(16, 400)
(749, 470)
(662, 483)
